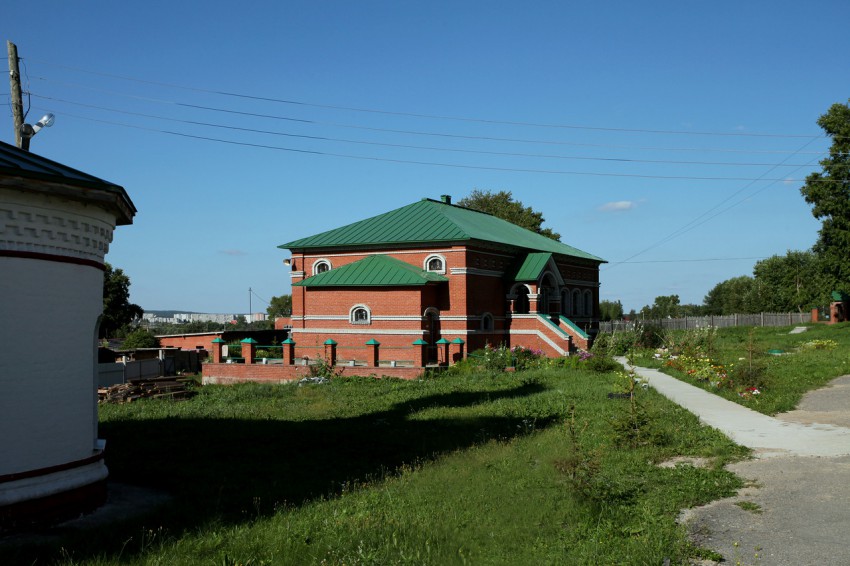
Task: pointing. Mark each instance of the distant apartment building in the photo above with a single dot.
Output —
(183, 318)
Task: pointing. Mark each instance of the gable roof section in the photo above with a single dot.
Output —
(532, 266)
(429, 221)
(374, 270)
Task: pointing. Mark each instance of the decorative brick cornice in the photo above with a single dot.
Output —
(42, 231)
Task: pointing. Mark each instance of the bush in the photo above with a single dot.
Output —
(602, 364)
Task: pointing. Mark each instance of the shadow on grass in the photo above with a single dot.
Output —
(228, 471)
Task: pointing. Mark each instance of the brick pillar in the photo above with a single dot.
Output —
(375, 353)
(217, 346)
(457, 350)
(814, 315)
(419, 353)
(532, 303)
(249, 348)
(288, 352)
(330, 352)
(443, 346)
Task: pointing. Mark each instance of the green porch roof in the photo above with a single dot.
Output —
(429, 221)
(375, 270)
(532, 266)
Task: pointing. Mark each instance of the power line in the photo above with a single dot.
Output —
(694, 224)
(418, 147)
(695, 260)
(429, 116)
(431, 163)
(402, 131)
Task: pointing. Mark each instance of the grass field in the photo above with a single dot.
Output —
(537, 467)
(798, 362)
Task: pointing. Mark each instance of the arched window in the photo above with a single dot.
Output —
(360, 314)
(487, 322)
(588, 303)
(320, 266)
(576, 302)
(435, 263)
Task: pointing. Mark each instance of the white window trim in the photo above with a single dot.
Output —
(321, 261)
(360, 322)
(428, 259)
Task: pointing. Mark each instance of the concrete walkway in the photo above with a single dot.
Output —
(793, 508)
(766, 436)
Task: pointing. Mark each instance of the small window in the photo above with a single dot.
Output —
(435, 263)
(360, 314)
(487, 322)
(320, 266)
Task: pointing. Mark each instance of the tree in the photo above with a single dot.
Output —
(503, 205)
(140, 338)
(829, 194)
(732, 296)
(610, 310)
(794, 281)
(118, 311)
(279, 306)
(666, 306)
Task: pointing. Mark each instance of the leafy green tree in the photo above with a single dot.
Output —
(732, 296)
(791, 282)
(610, 310)
(829, 194)
(140, 338)
(503, 205)
(118, 311)
(279, 306)
(665, 306)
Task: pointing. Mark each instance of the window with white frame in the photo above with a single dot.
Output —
(435, 263)
(360, 314)
(320, 266)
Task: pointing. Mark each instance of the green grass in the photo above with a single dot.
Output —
(787, 377)
(478, 469)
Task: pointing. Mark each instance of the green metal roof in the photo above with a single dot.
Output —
(428, 221)
(374, 270)
(532, 266)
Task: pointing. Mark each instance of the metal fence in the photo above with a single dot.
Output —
(718, 321)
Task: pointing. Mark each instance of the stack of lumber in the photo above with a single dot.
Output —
(151, 388)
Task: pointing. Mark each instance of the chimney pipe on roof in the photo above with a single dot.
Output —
(446, 199)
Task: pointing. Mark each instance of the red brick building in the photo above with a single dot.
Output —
(430, 279)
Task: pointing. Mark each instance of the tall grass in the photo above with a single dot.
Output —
(461, 470)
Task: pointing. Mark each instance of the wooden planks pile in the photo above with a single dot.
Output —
(151, 388)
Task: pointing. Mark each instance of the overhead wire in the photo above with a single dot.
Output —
(427, 163)
(409, 146)
(430, 116)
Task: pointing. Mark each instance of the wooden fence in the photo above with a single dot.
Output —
(718, 321)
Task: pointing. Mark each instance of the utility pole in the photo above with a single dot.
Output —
(250, 307)
(15, 87)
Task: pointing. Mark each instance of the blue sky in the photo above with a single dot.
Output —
(666, 137)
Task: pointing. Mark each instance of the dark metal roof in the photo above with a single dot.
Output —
(15, 163)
